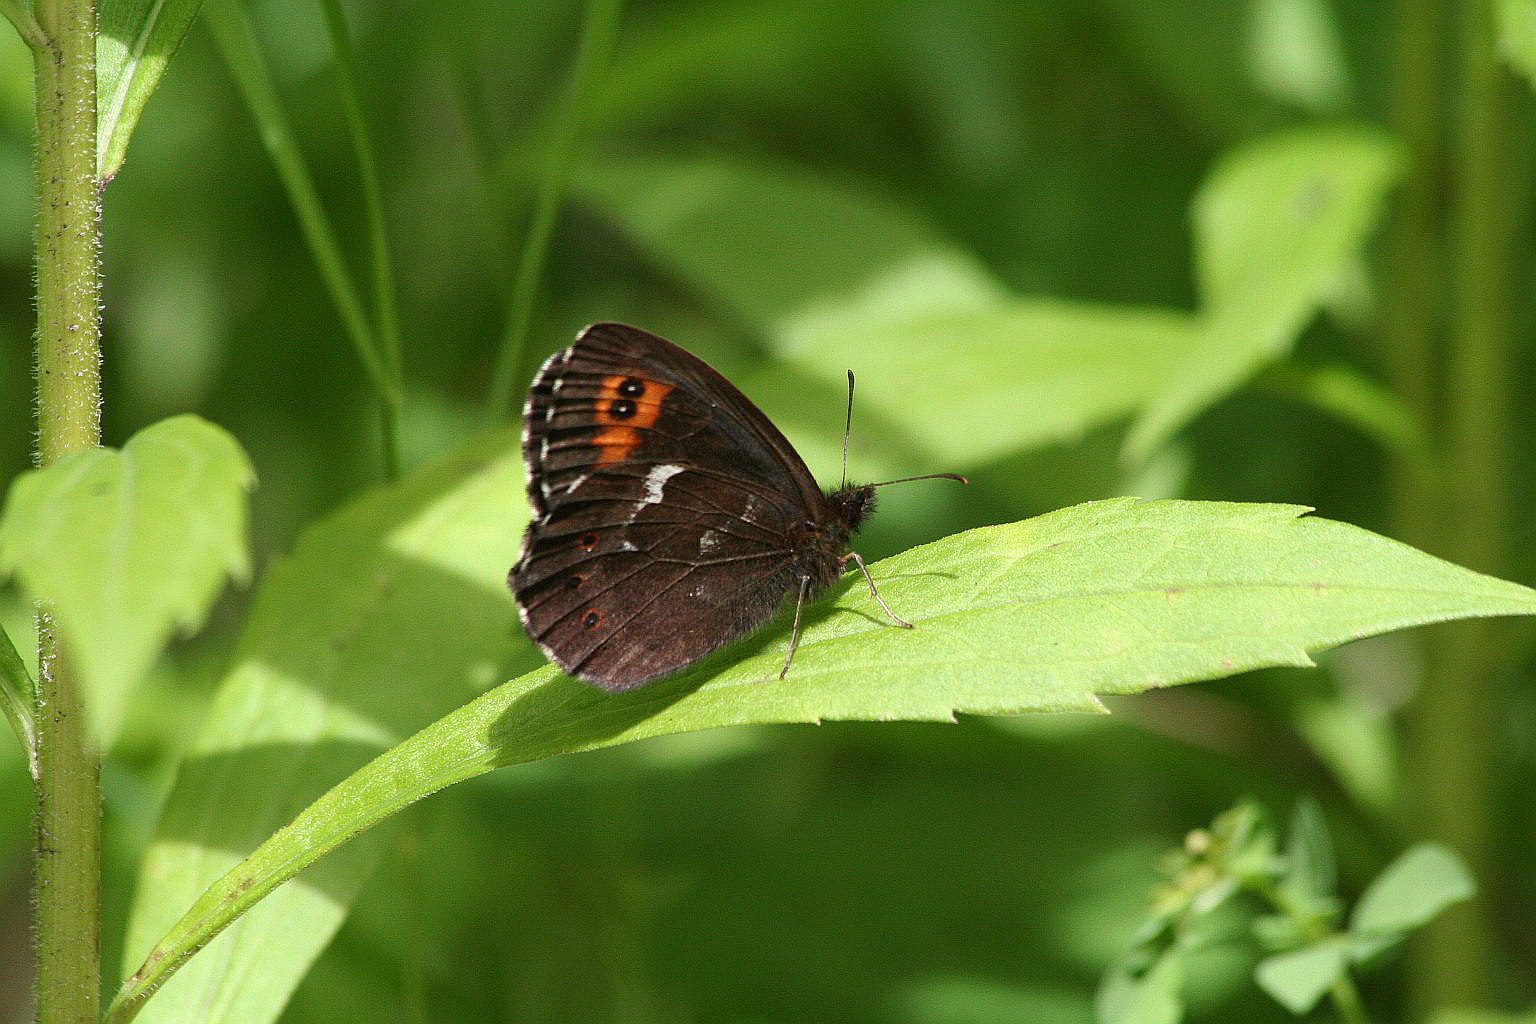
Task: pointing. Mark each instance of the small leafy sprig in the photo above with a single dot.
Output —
(1292, 911)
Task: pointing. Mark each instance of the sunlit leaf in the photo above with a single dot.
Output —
(1276, 224)
(1299, 978)
(1410, 892)
(1152, 996)
(770, 243)
(972, 385)
(129, 545)
(837, 280)
(1297, 54)
(1044, 615)
(1517, 35)
(388, 613)
(135, 41)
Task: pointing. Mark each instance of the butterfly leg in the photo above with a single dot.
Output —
(794, 632)
(854, 557)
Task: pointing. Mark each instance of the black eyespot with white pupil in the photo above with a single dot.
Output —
(592, 619)
(621, 409)
(632, 387)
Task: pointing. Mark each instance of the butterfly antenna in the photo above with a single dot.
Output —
(847, 429)
(925, 476)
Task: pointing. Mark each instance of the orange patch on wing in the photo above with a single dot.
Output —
(618, 436)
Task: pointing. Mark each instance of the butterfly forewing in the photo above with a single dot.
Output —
(665, 507)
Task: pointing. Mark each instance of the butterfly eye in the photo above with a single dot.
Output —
(632, 387)
(592, 619)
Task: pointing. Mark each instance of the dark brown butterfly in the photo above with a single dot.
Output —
(670, 517)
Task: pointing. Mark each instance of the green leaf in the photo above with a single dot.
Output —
(19, 14)
(1241, 846)
(1216, 95)
(128, 546)
(1285, 214)
(1275, 226)
(1408, 893)
(1299, 978)
(387, 614)
(995, 379)
(1110, 597)
(1152, 996)
(837, 280)
(230, 25)
(16, 698)
(1310, 870)
(569, 129)
(1296, 53)
(1361, 402)
(135, 41)
(770, 243)
(1517, 35)
(1347, 731)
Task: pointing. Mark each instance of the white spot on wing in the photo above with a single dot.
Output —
(656, 479)
(709, 540)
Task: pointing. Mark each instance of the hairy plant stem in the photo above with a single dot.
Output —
(68, 821)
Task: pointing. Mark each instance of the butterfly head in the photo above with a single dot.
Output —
(851, 507)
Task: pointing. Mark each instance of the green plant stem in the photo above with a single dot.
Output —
(68, 822)
(236, 40)
(1411, 286)
(1452, 742)
(599, 35)
(381, 260)
(1345, 998)
(68, 845)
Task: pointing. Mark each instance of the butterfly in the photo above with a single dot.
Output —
(669, 515)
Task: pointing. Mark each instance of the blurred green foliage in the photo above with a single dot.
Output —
(960, 172)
